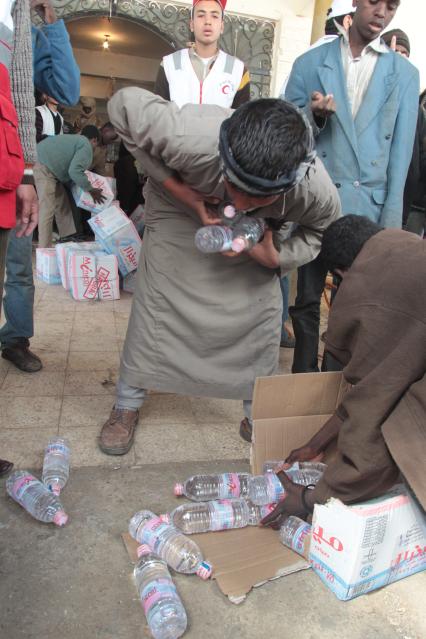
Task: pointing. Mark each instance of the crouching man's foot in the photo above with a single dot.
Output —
(118, 432)
(20, 355)
(246, 430)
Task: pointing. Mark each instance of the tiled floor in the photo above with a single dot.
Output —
(79, 344)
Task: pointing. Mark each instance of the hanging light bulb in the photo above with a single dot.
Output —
(105, 43)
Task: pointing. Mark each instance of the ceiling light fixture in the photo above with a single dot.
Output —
(105, 43)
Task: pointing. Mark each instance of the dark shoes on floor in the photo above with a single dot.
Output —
(21, 356)
(5, 467)
(287, 341)
(246, 430)
(118, 432)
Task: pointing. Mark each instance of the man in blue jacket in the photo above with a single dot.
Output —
(57, 74)
(362, 101)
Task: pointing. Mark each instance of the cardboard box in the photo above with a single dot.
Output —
(93, 275)
(47, 269)
(129, 282)
(62, 251)
(357, 549)
(242, 559)
(118, 236)
(288, 409)
(84, 200)
(138, 219)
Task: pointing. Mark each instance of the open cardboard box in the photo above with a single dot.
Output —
(287, 411)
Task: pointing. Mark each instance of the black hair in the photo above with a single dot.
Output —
(91, 132)
(344, 238)
(268, 137)
(330, 26)
(39, 97)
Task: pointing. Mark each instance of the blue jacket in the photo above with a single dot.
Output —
(55, 69)
(367, 158)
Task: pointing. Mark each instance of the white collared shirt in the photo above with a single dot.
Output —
(358, 71)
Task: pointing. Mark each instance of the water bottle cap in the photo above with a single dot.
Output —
(56, 489)
(165, 518)
(229, 211)
(142, 550)
(178, 490)
(238, 245)
(60, 518)
(205, 570)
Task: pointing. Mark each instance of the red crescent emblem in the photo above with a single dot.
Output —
(226, 89)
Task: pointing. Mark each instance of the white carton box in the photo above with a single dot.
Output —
(117, 235)
(356, 549)
(62, 251)
(47, 268)
(93, 276)
(129, 282)
(138, 219)
(84, 200)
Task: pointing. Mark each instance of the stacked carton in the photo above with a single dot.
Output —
(84, 200)
(47, 266)
(62, 253)
(118, 236)
(93, 275)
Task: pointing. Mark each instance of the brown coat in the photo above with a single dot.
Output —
(377, 329)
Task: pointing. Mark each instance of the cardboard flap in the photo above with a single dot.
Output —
(301, 394)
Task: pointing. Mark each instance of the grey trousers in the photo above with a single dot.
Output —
(132, 398)
(54, 203)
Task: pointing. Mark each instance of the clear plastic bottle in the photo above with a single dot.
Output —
(293, 533)
(162, 605)
(223, 514)
(246, 233)
(304, 473)
(37, 500)
(56, 464)
(213, 239)
(257, 513)
(180, 553)
(265, 489)
(208, 487)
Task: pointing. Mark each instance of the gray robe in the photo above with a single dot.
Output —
(204, 324)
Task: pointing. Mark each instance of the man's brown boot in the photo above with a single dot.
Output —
(118, 432)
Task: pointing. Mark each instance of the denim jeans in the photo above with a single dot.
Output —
(18, 302)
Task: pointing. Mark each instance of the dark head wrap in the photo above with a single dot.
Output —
(258, 186)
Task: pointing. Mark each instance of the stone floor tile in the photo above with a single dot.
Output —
(50, 342)
(168, 408)
(90, 382)
(59, 318)
(286, 361)
(25, 446)
(158, 442)
(211, 410)
(41, 384)
(55, 330)
(85, 450)
(52, 360)
(40, 412)
(222, 441)
(95, 306)
(93, 343)
(93, 360)
(85, 411)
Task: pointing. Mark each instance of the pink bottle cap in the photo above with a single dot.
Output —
(143, 549)
(165, 518)
(205, 570)
(238, 245)
(229, 211)
(178, 490)
(56, 489)
(60, 518)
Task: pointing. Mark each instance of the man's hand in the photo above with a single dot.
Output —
(265, 252)
(193, 199)
(291, 504)
(45, 10)
(302, 454)
(322, 106)
(26, 210)
(97, 196)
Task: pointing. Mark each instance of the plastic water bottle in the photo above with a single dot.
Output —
(56, 464)
(246, 233)
(293, 533)
(162, 605)
(223, 514)
(213, 239)
(304, 473)
(265, 489)
(208, 487)
(37, 500)
(180, 553)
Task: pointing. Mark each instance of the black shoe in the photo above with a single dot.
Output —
(246, 430)
(21, 356)
(5, 467)
(287, 341)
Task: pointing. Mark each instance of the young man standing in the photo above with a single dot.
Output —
(204, 74)
(362, 100)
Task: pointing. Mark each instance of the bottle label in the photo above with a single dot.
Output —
(230, 486)
(152, 533)
(21, 485)
(275, 488)
(299, 536)
(222, 515)
(156, 590)
(57, 448)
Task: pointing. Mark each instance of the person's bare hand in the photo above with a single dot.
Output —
(393, 43)
(97, 196)
(291, 504)
(45, 10)
(194, 200)
(26, 210)
(322, 106)
(302, 454)
(265, 252)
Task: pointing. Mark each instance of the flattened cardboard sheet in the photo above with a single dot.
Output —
(242, 559)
